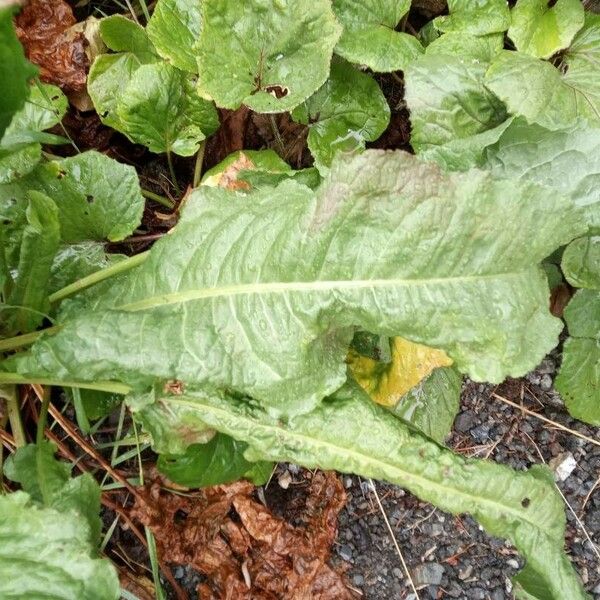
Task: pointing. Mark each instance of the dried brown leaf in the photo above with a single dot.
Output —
(46, 30)
(243, 550)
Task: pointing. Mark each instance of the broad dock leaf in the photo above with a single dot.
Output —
(350, 433)
(261, 292)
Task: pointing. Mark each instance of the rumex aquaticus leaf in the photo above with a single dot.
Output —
(581, 262)
(350, 433)
(262, 296)
(269, 55)
(44, 30)
(370, 37)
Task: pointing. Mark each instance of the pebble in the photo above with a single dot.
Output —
(512, 563)
(546, 382)
(465, 573)
(465, 421)
(179, 573)
(284, 480)
(397, 573)
(358, 579)
(345, 552)
(563, 465)
(428, 574)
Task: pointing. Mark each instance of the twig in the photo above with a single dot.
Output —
(546, 420)
(166, 202)
(72, 433)
(387, 523)
(586, 499)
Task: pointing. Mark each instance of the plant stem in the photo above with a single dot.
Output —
(198, 164)
(158, 198)
(43, 418)
(101, 275)
(113, 387)
(24, 340)
(9, 393)
(172, 171)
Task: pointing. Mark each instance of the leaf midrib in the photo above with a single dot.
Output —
(423, 481)
(301, 286)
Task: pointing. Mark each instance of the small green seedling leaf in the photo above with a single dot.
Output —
(542, 28)
(370, 37)
(581, 262)
(174, 29)
(160, 109)
(28, 301)
(349, 110)
(578, 380)
(270, 55)
(21, 145)
(221, 460)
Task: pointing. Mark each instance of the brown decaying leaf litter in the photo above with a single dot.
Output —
(242, 549)
(44, 29)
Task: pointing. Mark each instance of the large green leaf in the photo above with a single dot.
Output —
(349, 110)
(261, 292)
(476, 17)
(370, 37)
(270, 55)
(578, 380)
(349, 433)
(15, 70)
(46, 554)
(541, 28)
(454, 117)
(568, 161)
(174, 28)
(544, 94)
(221, 460)
(20, 147)
(121, 34)
(581, 262)
(40, 239)
(160, 109)
(48, 482)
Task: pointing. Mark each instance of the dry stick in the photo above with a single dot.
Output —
(412, 583)
(72, 432)
(546, 420)
(586, 499)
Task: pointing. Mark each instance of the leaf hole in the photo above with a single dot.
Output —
(277, 91)
(551, 3)
(89, 199)
(525, 502)
(61, 174)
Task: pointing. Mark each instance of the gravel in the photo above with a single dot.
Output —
(451, 557)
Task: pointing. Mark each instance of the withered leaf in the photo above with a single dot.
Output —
(44, 27)
(243, 550)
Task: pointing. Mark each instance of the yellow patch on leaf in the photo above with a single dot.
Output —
(228, 178)
(386, 383)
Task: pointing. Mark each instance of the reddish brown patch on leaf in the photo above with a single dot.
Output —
(243, 550)
(174, 386)
(43, 27)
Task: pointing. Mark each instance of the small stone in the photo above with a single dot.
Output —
(345, 552)
(348, 482)
(534, 378)
(498, 594)
(465, 573)
(397, 572)
(548, 366)
(512, 563)
(285, 479)
(596, 590)
(358, 579)
(476, 594)
(546, 382)
(293, 469)
(563, 465)
(481, 433)
(179, 573)
(465, 421)
(428, 574)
